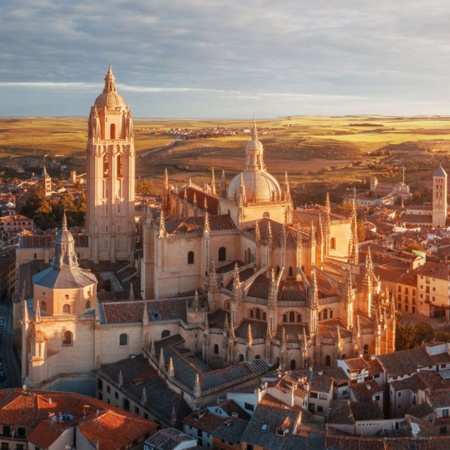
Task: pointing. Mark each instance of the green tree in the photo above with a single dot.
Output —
(145, 187)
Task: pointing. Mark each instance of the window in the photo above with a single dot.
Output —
(6, 430)
(43, 306)
(123, 339)
(88, 304)
(328, 360)
(99, 384)
(216, 349)
(105, 166)
(222, 254)
(21, 432)
(112, 131)
(126, 404)
(190, 258)
(119, 166)
(249, 406)
(366, 349)
(323, 396)
(67, 338)
(293, 364)
(165, 333)
(291, 272)
(241, 357)
(66, 309)
(333, 243)
(313, 394)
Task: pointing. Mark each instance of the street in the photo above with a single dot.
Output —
(9, 361)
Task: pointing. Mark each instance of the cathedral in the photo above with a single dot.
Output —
(232, 270)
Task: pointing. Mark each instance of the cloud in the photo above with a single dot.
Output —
(247, 51)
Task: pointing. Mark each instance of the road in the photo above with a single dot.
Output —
(10, 362)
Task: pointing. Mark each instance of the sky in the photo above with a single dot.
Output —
(233, 59)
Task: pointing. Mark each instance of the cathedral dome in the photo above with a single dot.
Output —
(109, 98)
(259, 187)
(255, 182)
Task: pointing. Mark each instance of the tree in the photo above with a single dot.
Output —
(145, 187)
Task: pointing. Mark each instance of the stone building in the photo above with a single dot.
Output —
(235, 272)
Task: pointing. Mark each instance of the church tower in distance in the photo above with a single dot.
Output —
(439, 198)
(110, 176)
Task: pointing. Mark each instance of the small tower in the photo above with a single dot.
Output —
(439, 198)
(46, 182)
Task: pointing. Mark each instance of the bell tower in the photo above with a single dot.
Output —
(110, 176)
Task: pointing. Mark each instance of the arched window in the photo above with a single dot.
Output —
(119, 166)
(331, 313)
(343, 356)
(190, 258)
(328, 360)
(299, 318)
(291, 272)
(293, 364)
(251, 314)
(67, 338)
(258, 314)
(43, 306)
(66, 309)
(216, 349)
(112, 131)
(264, 316)
(222, 254)
(284, 318)
(165, 333)
(241, 357)
(123, 339)
(325, 314)
(333, 243)
(88, 304)
(258, 357)
(292, 317)
(366, 349)
(105, 166)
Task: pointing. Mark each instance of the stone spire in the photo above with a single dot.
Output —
(131, 294)
(152, 349)
(273, 291)
(354, 236)
(120, 378)
(223, 185)
(145, 315)
(286, 188)
(65, 257)
(213, 182)
(257, 233)
(242, 195)
(171, 370)
(196, 302)
(254, 153)
(249, 336)
(206, 227)
(162, 226)
(197, 387)
(162, 361)
(37, 311)
(110, 81)
(144, 396)
(236, 279)
(165, 196)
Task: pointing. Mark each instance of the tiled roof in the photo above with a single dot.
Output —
(259, 329)
(434, 270)
(137, 374)
(328, 329)
(293, 332)
(46, 240)
(195, 225)
(340, 412)
(212, 200)
(168, 439)
(48, 414)
(115, 430)
(133, 311)
(365, 391)
(366, 410)
(406, 362)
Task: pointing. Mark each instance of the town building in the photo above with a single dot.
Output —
(33, 419)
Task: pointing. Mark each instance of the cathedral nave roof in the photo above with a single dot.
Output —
(328, 329)
(293, 332)
(196, 225)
